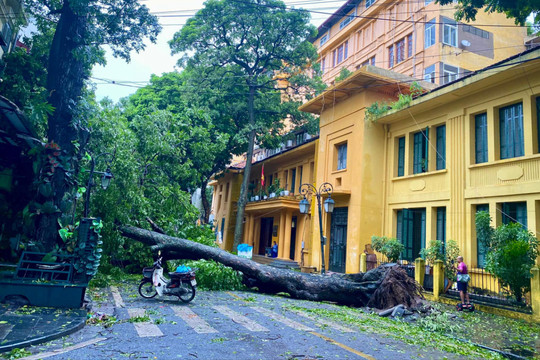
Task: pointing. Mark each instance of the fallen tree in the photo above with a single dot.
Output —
(380, 288)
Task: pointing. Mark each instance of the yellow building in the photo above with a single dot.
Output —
(351, 159)
(272, 213)
(415, 38)
(469, 146)
(421, 173)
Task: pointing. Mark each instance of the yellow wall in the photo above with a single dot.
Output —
(357, 187)
(464, 184)
(224, 203)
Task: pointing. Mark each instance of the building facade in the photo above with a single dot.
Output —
(11, 17)
(415, 38)
(466, 147)
(410, 174)
(272, 212)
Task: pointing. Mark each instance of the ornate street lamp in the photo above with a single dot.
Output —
(325, 188)
(106, 177)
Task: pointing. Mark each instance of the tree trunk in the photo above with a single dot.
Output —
(65, 78)
(242, 199)
(205, 203)
(357, 290)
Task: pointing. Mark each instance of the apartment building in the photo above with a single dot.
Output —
(418, 38)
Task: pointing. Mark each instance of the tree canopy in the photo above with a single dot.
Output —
(517, 9)
(257, 45)
(81, 27)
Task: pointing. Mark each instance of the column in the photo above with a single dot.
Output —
(438, 279)
(287, 239)
(419, 271)
(250, 239)
(281, 237)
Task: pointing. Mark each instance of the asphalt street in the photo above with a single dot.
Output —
(221, 325)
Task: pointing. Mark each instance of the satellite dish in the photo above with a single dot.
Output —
(465, 43)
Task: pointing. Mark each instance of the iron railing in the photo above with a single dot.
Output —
(483, 286)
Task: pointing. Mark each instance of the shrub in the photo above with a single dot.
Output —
(511, 253)
(437, 250)
(389, 247)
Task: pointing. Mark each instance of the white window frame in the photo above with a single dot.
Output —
(369, 3)
(347, 20)
(429, 73)
(450, 34)
(449, 74)
(324, 38)
(429, 34)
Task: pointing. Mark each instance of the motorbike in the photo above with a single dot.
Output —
(154, 283)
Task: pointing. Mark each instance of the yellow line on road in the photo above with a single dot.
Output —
(348, 348)
(359, 353)
(236, 296)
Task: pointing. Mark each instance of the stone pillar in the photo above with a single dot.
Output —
(438, 279)
(420, 271)
(363, 262)
(287, 239)
(535, 292)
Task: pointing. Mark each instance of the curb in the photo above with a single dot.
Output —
(38, 340)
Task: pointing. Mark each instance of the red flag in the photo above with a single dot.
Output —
(262, 176)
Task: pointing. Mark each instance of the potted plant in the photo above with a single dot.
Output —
(389, 247)
(437, 250)
(273, 189)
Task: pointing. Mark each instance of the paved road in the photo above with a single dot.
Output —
(223, 325)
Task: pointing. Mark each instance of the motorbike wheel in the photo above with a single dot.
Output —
(147, 289)
(189, 294)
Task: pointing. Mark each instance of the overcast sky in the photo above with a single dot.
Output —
(119, 79)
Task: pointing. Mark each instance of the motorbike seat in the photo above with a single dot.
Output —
(178, 275)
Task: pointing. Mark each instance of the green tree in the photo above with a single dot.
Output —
(81, 28)
(257, 39)
(517, 9)
(511, 253)
(150, 167)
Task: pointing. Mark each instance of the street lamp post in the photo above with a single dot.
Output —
(106, 177)
(325, 188)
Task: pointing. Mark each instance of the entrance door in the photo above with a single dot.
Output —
(338, 240)
(265, 239)
(411, 230)
(293, 238)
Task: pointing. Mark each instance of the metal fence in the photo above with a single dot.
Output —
(483, 286)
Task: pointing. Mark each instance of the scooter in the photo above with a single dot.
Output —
(155, 283)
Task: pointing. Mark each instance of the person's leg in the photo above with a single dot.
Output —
(462, 296)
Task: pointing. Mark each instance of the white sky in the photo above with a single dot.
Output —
(157, 58)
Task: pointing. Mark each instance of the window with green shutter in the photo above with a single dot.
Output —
(441, 147)
(420, 152)
(441, 224)
(511, 131)
(401, 156)
(480, 138)
(480, 247)
(515, 212)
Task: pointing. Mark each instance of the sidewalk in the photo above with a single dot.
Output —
(21, 326)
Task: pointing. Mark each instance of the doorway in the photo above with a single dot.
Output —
(338, 239)
(265, 239)
(411, 231)
(293, 238)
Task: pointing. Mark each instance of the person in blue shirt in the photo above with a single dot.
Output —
(274, 250)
